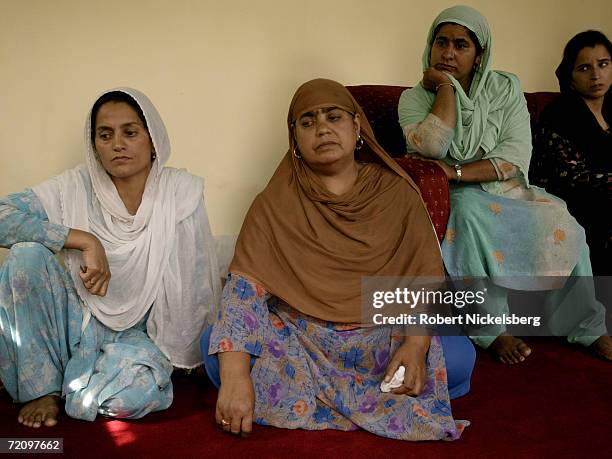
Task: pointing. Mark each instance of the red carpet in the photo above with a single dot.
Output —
(555, 405)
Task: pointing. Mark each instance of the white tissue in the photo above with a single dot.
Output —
(396, 381)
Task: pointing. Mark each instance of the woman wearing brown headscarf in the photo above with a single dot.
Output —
(292, 302)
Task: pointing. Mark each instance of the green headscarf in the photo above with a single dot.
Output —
(493, 116)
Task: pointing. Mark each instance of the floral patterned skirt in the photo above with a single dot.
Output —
(314, 375)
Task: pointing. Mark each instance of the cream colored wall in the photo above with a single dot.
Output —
(222, 73)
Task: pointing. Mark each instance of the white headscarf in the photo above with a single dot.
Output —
(152, 257)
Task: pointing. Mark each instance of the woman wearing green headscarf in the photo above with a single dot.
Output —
(474, 123)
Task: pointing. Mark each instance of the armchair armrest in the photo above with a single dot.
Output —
(432, 181)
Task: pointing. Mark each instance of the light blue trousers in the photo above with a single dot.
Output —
(43, 350)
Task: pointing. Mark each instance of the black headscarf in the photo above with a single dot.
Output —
(570, 117)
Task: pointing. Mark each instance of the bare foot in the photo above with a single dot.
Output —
(510, 350)
(602, 347)
(42, 411)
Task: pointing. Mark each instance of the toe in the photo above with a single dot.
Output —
(24, 413)
(524, 350)
(518, 356)
(50, 421)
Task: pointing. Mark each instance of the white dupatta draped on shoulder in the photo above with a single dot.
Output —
(164, 256)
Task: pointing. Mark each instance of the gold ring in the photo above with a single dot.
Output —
(224, 422)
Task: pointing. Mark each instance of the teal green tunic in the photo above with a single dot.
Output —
(508, 232)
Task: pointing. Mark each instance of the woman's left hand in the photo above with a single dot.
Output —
(411, 354)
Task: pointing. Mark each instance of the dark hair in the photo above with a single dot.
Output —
(588, 38)
(115, 96)
(472, 35)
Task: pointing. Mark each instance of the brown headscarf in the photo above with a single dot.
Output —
(311, 248)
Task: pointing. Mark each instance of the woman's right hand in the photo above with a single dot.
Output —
(95, 272)
(432, 78)
(236, 399)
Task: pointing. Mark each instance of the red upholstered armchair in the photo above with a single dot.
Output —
(379, 102)
(380, 106)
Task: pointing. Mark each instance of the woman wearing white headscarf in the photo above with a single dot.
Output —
(473, 121)
(106, 344)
